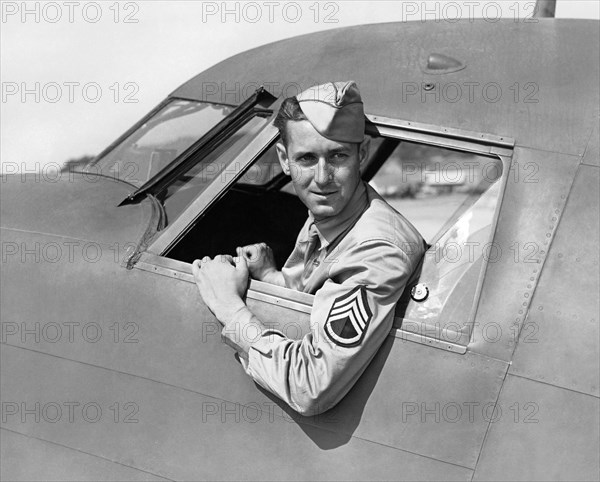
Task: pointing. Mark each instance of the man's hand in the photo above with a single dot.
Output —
(260, 260)
(222, 282)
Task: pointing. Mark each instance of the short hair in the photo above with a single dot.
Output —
(288, 111)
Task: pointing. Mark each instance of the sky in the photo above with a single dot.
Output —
(76, 74)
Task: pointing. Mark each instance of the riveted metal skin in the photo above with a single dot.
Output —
(418, 412)
(528, 439)
(535, 196)
(558, 344)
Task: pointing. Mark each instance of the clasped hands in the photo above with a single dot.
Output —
(223, 281)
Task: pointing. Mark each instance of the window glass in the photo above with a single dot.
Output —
(451, 198)
(160, 140)
(265, 169)
(429, 184)
(452, 266)
(217, 166)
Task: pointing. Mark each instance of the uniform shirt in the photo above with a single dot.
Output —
(358, 270)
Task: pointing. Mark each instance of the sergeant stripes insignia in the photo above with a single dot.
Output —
(349, 318)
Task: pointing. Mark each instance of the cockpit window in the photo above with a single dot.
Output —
(159, 140)
(452, 198)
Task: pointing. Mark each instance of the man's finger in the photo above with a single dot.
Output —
(241, 264)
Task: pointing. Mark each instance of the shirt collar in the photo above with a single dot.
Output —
(330, 228)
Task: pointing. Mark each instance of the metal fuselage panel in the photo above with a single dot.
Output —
(559, 342)
(184, 435)
(543, 433)
(74, 206)
(550, 401)
(536, 82)
(536, 193)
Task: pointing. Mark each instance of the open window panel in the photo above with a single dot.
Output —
(452, 187)
(453, 198)
(450, 191)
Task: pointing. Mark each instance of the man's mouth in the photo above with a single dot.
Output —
(324, 193)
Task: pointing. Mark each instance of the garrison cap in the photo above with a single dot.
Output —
(335, 110)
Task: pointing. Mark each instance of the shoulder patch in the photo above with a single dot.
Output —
(349, 318)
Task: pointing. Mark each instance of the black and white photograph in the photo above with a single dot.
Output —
(300, 240)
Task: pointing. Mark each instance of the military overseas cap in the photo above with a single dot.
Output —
(335, 110)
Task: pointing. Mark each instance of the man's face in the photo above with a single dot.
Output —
(324, 173)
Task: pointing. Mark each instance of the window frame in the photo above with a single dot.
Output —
(168, 237)
(122, 138)
(501, 147)
(254, 105)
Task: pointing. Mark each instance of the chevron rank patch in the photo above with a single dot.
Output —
(349, 318)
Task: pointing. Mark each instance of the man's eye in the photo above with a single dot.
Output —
(339, 156)
(306, 159)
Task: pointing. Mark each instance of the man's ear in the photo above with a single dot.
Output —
(363, 150)
(283, 158)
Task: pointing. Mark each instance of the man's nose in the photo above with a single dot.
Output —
(322, 172)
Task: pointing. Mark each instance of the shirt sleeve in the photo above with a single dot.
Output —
(351, 316)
